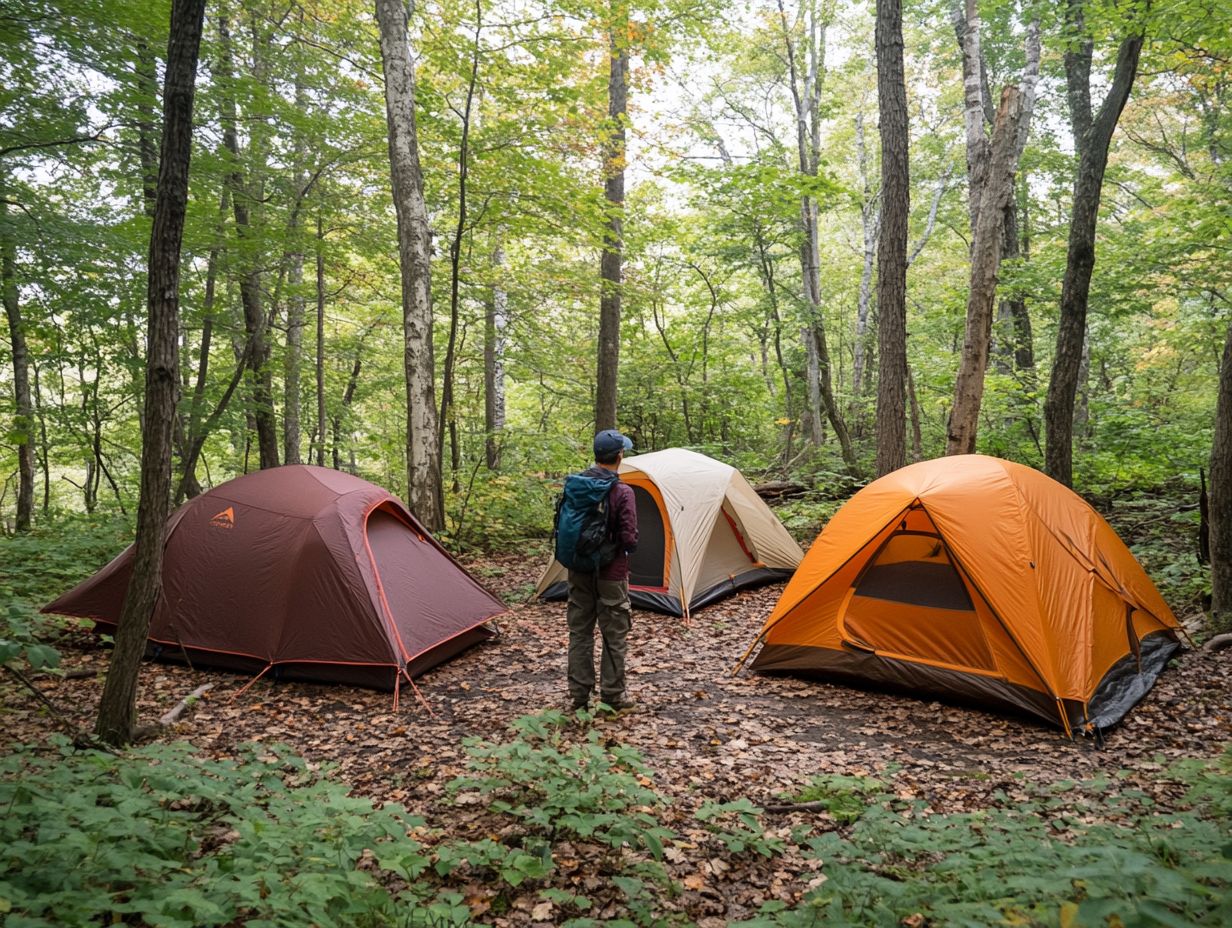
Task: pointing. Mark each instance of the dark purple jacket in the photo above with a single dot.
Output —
(622, 525)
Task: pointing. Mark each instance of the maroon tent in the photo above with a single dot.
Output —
(303, 571)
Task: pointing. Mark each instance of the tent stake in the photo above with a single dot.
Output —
(244, 688)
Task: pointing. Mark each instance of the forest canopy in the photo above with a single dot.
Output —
(746, 237)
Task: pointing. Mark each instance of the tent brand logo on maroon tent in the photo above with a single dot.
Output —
(224, 519)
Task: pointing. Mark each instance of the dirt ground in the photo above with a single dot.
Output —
(705, 733)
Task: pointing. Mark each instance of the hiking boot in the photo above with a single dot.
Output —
(618, 709)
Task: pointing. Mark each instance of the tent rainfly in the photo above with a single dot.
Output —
(981, 580)
(306, 572)
(703, 534)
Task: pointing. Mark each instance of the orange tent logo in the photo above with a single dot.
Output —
(224, 519)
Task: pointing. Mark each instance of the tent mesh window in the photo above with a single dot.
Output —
(911, 602)
(646, 563)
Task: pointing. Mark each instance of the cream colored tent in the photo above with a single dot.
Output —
(703, 534)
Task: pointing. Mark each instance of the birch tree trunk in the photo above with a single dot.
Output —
(806, 64)
(986, 245)
(117, 708)
(1092, 136)
(892, 248)
(424, 491)
(611, 265)
(870, 225)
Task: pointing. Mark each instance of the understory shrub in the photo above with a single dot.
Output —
(1074, 855)
(163, 836)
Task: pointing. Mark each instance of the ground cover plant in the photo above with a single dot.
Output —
(165, 836)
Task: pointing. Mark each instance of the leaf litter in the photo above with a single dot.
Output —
(706, 736)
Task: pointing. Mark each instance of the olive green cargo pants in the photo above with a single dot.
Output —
(605, 603)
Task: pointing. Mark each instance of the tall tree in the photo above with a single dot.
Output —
(246, 192)
(466, 116)
(424, 490)
(496, 321)
(806, 67)
(892, 247)
(1221, 496)
(986, 246)
(1092, 137)
(117, 708)
(611, 273)
(992, 162)
(23, 421)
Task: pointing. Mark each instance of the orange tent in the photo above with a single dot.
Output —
(980, 579)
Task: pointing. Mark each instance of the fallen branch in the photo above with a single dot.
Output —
(170, 718)
(173, 715)
(80, 674)
(60, 717)
(821, 805)
(1218, 643)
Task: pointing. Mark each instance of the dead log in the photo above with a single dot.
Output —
(1218, 643)
(779, 489)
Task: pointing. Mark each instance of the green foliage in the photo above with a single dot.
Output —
(164, 837)
(844, 798)
(40, 565)
(21, 639)
(554, 787)
(737, 826)
(1073, 854)
(44, 563)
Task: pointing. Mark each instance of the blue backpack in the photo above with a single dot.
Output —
(581, 529)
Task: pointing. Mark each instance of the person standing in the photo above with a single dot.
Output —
(601, 597)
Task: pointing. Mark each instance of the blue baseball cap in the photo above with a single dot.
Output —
(610, 441)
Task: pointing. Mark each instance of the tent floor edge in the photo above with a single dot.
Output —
(1124, 685)
(868, 671)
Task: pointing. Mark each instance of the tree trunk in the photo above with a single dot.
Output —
(496, 319)
(117, 709)
(892, 248)
(1092, 136)
(320, 358)
(611, 271)
(1220, 497)
(348, 395)
(986, 245)
(424, 491)
(448, 418)
(870, 224)
(296, 303)
(250, 277)
(1012, 314)
(194, 436)
(22, 430)
(806, 73)
(917, 437)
